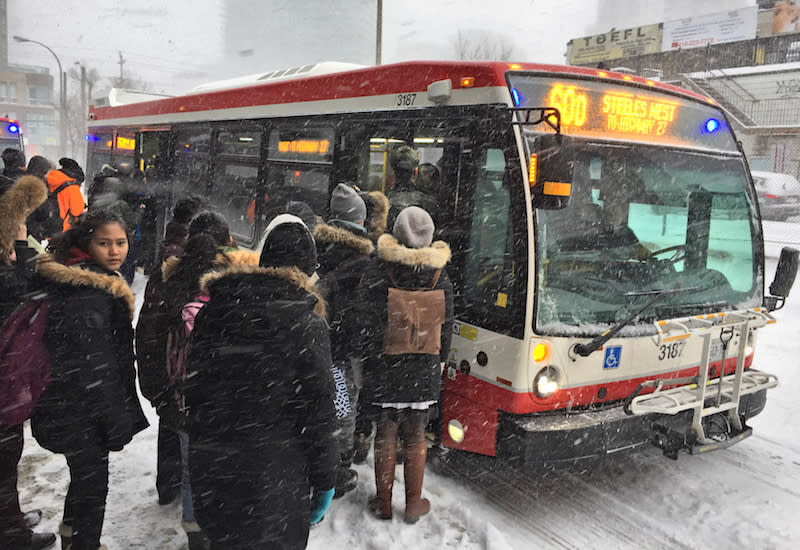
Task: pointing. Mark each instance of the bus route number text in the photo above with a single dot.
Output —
(671, 351)
(406, 100)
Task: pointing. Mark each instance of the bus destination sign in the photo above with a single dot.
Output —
(610, 111)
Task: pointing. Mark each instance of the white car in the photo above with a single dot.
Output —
(778, 195)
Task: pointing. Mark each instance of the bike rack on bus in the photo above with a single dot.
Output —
(701, 395)
(545, 114)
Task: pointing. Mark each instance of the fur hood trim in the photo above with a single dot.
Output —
(434, 256)
(376, 223)
(291, 274)
(16, 205)
(235, 257)
(74, 275)
(328, 234)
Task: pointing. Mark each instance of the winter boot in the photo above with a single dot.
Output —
(197, 539)
(65, 531)
(40, 541)
(32, 518)
(416, 450)
(346, 480)
(361, 445)
(385, 456)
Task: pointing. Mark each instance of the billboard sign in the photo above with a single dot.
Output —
(614, 44)
(715, 28)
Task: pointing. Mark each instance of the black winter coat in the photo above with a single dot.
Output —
(343, 259)
(91, 399)
(406, 378)
(15, 278)
(261, 415)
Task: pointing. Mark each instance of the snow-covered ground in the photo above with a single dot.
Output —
(743, 497)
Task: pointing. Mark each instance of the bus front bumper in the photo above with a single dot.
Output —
(541, 438)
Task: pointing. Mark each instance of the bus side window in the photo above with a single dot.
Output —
(489, 266)
(236, 158)
(190, 167)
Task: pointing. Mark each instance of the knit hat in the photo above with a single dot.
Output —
(71, 168)
(39, 166)
(288, 242)
(414, 227)
(303, 211)
(346, 205)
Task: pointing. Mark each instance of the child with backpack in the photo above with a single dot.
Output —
(207, 249)
(408, 329)
(90, 406)
(17, 262)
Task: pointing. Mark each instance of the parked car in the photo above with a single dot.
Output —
(778, 195)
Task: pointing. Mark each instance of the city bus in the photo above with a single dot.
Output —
(607, 251)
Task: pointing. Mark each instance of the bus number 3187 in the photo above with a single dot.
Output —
(671, 351)
(405, 100)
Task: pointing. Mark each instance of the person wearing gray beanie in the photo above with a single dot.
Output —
(414, 227)
(347, 206)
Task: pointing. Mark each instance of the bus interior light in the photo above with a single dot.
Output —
(532, 171)
(467, 81)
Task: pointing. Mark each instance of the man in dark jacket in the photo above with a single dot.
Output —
(404, 161)
(260, 399)
(344, 252)
(13, 163)
(16, 271)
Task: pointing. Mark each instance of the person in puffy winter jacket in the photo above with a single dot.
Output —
(404, 385)
(17, 263)
(206, 250)
(261, 420)
(150, 345)
(344, 253)
(90, 406)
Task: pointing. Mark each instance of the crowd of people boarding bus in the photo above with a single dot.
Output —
(267, 369)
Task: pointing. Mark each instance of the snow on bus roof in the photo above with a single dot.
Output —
(122, 96)
(314, 69)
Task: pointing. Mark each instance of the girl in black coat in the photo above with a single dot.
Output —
(90, 406)
(403, 386)
(260, 399)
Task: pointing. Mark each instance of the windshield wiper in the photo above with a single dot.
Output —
(584, 350)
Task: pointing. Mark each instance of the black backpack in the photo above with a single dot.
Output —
(47, 220)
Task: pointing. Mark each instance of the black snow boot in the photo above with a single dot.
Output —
(346, 480)
(40, 541)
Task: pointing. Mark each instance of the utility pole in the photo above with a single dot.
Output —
(121, 62)
(379, 33)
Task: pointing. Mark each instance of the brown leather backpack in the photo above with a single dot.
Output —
(415, 318)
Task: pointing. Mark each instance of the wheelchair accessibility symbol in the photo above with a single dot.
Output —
(611, 359)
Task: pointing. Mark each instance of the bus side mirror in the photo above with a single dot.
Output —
(785, 274)
(550, 174)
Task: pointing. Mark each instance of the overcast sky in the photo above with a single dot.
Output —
(176, 44)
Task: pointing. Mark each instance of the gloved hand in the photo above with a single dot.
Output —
(320, 502)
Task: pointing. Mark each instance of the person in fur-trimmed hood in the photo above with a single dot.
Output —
(377, 213)
(17, 262)
(403, 375)
(344, 254)
(259, 393)
(90, 406)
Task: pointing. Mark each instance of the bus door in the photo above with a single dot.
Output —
(151, 150)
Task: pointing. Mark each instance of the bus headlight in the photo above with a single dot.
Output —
(545, 383)
(455, 430)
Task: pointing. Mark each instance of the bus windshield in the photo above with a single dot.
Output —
(641, 219)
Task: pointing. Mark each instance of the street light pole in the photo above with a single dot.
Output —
(62, 85)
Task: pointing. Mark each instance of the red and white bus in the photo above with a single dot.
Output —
(608, 257)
